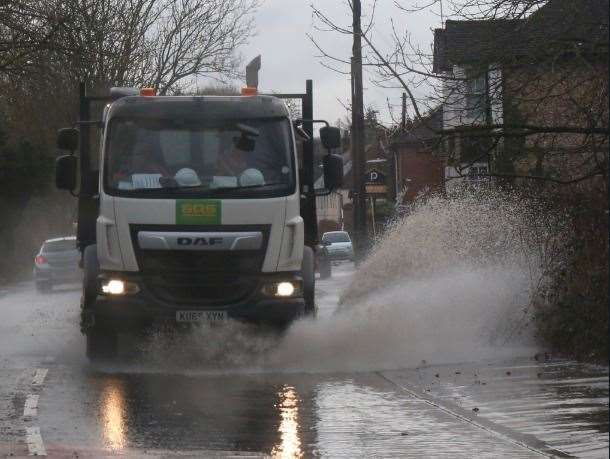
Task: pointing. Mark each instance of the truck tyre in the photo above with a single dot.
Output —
(101, 340)
(309, 281)
(91, 269)
(101, 343)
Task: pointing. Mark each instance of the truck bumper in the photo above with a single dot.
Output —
(144, 308)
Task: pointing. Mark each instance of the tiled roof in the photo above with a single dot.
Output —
(469, 41)
(559, 23)
(569, 21)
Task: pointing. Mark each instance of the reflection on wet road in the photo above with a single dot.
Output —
(113, 413)
(510, 408)
(281, 415)
(289, 444)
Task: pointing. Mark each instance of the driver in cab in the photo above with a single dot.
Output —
(233, 165)
(141, 169)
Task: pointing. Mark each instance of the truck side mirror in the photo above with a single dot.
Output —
(333, 171)
(330, 137)
(65, 172)
(67, 139)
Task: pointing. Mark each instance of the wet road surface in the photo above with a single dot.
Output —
(53, 402)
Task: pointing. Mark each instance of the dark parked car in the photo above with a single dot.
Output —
(339, 245)
(57, 263)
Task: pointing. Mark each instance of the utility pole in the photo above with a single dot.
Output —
(404, 111)
(358, 159)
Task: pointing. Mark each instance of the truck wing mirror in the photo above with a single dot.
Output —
(67, 139)
(333, 171)
(65, 172)
(330, 137)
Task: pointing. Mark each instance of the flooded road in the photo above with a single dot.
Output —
(53, 402)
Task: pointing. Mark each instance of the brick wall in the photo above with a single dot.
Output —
(419, 170)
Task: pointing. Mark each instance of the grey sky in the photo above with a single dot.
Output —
(289, 57)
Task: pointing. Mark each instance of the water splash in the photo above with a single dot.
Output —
(476, 229)
(451, 281)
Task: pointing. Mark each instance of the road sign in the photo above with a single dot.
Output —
(374, 176)
(373, 188)
(374, 182)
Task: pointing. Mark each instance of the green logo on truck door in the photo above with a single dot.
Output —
(198, 212)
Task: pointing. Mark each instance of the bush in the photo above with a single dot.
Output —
(571, 310)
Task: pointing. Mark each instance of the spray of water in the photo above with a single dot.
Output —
(451, 281)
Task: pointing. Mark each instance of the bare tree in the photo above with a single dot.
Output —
(518, 79)
(197, 38)
(167, 44)
(24, 32)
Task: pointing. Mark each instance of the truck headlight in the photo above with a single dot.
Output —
(119, 287)
(283, 289)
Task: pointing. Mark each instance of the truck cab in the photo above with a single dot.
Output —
(198, 216)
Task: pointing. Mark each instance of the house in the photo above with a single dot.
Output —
(466, 58)
(417, 164)
(508, 85)
(562, 84)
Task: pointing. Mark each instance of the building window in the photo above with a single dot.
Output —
(476, 97)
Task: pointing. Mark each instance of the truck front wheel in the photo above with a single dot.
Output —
(101, 338)
(309, 281)
(91, 269)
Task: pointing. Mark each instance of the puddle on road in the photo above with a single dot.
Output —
(37, 324)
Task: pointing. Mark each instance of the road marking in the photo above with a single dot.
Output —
(524, 441)
(34, 441)
(38, 379)
(30, 409)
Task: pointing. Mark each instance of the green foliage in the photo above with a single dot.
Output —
(24, 168)
(25, 172)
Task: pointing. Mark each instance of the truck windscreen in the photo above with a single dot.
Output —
(161, 158)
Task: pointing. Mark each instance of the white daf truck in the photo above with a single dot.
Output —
(194, 209)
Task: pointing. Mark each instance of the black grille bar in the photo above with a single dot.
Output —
(201, 277)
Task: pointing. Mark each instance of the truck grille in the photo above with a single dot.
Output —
(200, 278)
(201, 290)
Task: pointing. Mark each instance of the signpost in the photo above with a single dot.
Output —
(374, 186)
(374, 182)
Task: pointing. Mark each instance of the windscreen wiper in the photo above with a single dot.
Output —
(247, 187)
(187, 187)
(208, 188)
(173, 188)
